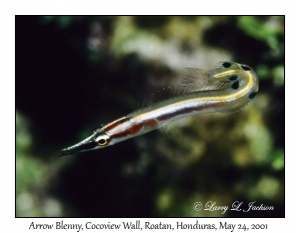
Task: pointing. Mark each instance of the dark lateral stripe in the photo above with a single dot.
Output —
(116, 123)
(179, 112)
(188, 110)
(135, 128)
(172, 114)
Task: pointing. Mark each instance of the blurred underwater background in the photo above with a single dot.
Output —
(74, 73)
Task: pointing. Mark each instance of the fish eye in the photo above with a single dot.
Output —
(102, 140)
(226, 64)
(246, 67)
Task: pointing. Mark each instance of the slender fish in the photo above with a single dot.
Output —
(226, 88)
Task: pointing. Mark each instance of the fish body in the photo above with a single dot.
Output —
(227, 88)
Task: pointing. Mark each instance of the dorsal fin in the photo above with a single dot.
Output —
(195, 80)
(194, 75)
(202, 80)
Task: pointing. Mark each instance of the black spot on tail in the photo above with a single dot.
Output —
(252, 95)
(226, 64)
(235, 85)
(246, 67)
(234, 78)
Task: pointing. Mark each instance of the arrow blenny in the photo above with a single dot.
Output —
(227, 88)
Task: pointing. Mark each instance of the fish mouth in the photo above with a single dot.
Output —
(87, 144)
